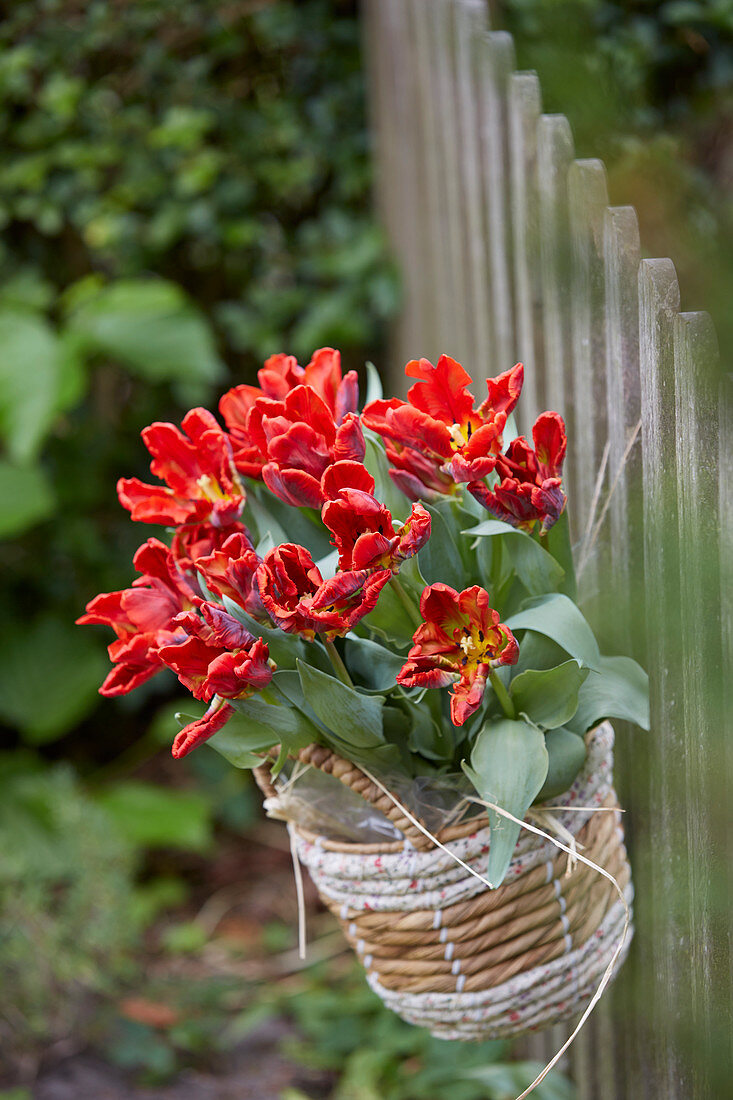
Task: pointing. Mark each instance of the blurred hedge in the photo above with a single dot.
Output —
(184, 189)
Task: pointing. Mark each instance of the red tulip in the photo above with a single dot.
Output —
(194, 541)
(195, 733)
(459, 643)
(364, 534)
(230, 571)
(299, 601)
(438, 439)
(292, 429)
(196, 464)
(218, 656)
(530, 486)
(142, 617)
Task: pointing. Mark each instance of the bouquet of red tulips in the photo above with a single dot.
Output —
(396, 585)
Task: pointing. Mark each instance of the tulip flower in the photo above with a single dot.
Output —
(299, 601)
(459, 643)
(298, 422)
(364, 534)
(195, 733)
(437, 438)
(218, 656)
(196, 464)
(530, 486)
(193, 541)
(230, 571)
(142, 617)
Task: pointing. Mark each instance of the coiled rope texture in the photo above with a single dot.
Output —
(445, 952)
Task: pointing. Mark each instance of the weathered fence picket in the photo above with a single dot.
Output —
(509, 250)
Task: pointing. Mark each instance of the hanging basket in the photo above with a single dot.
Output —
(447, 953)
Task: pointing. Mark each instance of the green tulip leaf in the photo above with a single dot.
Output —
(440, 558)
(557, 617)
(619, 689)
(549, 697)
(373, 663)
(256, 726)
(508, 767)
(537, 570)
(356, 719)
(566, 752)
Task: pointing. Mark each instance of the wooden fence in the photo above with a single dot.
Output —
(509, 251)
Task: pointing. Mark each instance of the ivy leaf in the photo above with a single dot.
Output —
(151, 326)
(26, 498)
(508, 767)
(619, 689)
(28, 401)
(557, 617)
(151, 816)
(549, 697)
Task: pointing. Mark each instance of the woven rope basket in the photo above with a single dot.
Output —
(447, 953)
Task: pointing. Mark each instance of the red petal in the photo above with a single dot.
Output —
(504, 391)
(295, 487)
(190, 661)
(414, 533)
(303, 403)
(202, 729)
(371, 549)
(227, 631)
(280, 374)
(347, 395)
(376, 413)
(349, 443)
(439, 604)
(152, 503)
(323, 373)
(301, 448)
(346, 475)
(425, 673)
(442, 393)
(235, 405)
(550, 443)
(467, 695)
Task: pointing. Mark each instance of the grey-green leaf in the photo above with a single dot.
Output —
(373, 663)
(537, 570)
(355, 718)
(566, 752)
(440, 558)
(508, 766)
(558, 618)
(549, 697)
(620, 689)
(256, 726)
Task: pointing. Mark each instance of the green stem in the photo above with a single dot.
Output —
(407, 603)
(502, 695)
(339, 667)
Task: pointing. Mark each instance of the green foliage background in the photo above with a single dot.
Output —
(184, 190)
